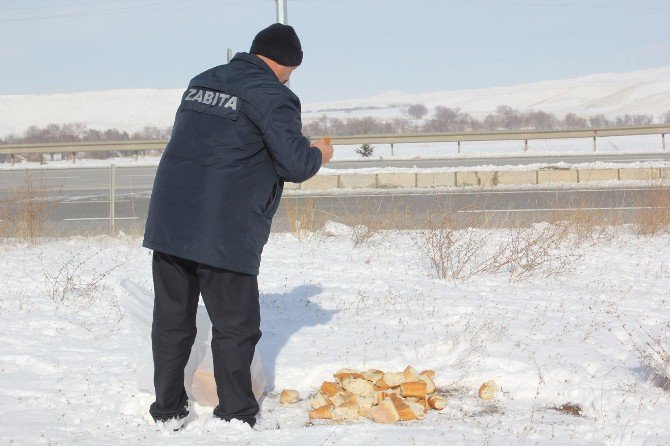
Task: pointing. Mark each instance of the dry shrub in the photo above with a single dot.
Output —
(537, 248)
(76, 279)
(654, 217)
(25, 212)
(457, 251)
(585, 218)
(653, 352)
(300, 215)
(453, 253)
(135, 230)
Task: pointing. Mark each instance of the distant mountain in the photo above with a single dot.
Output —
(612, 94)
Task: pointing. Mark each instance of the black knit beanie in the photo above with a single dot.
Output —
(279, 43)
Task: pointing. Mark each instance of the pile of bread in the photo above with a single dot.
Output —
(383, 397)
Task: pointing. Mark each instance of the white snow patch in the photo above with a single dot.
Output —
(68, 360)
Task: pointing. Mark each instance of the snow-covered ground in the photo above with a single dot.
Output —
(68, 353)
(612, 94)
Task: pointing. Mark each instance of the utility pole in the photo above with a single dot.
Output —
(281, 12)
(282, 18)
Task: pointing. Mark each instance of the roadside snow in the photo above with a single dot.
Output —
(68, 353)
(497, 168)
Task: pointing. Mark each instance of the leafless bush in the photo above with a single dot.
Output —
(537, 248)
(75, 280)
(653, 352)
(454, 253)
(25, 210)
(460, 252)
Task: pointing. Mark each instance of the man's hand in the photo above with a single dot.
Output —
(326, 149)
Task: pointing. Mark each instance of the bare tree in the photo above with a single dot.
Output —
(416, 111)
(446, 119)
(572, 121)
(149, 132)
(115, 135)
(599, 121)
(540, 120)
(643, 119)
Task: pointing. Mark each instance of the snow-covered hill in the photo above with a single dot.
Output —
(612, 94)
(643, 91)
(129, 110)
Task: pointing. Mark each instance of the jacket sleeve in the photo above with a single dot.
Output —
(281, 130)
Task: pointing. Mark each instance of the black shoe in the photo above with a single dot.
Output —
(176, 422)
(251, 421)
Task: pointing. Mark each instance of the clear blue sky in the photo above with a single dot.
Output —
(353, 48)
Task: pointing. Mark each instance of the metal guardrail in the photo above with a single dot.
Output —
(502, 135)
(74, 147)
(136, 146)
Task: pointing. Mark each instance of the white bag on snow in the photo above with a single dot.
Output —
(199, 372)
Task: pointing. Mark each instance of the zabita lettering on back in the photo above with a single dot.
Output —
(213, 98)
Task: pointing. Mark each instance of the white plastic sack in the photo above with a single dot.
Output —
(199, 372)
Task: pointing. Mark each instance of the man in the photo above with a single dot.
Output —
(236, 139)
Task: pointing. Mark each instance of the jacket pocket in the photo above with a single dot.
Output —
(273, 200)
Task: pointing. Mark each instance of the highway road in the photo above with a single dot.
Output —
(78, 198)
(86, 212)
(141, 178)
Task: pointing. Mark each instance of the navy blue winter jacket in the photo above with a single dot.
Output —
(236, 139)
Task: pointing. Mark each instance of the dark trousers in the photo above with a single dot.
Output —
(231, 300)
